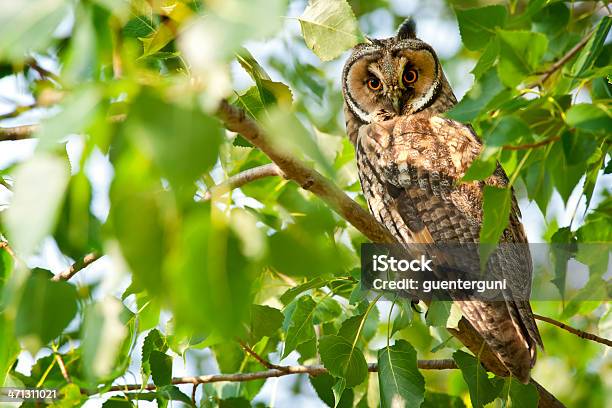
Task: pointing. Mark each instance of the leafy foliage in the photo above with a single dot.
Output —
(129, 149)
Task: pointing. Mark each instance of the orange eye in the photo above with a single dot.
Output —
(374, 84)
(410, 76)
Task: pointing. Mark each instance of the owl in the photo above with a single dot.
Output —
(411, 160)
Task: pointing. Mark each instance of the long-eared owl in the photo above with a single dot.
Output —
(411, 160)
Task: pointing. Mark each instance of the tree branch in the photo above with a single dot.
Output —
(77, 266)
(237, 121)
(579, 333)
(17, 132)
(244, 177)
(259, 358)
(546, 398)
(313, 370)
(562, 61)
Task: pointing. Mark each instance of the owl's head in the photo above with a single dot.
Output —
(400, 75)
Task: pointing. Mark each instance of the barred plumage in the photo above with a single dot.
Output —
(410, 162)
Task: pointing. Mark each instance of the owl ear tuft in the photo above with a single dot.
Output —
(407, 29)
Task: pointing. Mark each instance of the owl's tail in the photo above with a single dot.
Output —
(509, 329)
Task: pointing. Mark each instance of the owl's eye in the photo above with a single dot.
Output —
(374, 84)
(410, 76)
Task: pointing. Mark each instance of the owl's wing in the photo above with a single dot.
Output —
(420, 163)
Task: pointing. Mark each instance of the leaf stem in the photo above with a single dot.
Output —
(517, 171)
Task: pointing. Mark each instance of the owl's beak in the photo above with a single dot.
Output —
(396, 102)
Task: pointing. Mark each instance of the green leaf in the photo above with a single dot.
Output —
(597, 223)
(593, 48)
(45, 309)
(78, 231)
(77, 111)
(266, 92)
(487, 59)
(403, 318)
(29, 30)
(293, 292)
(289, 135)
(117, 402)
(29, 219)
(157, 40)
(351, 327)
(480, 169)
(173, 393)
(589, 117)
(182, 141)
(475, 101)
(551, 19)
(9, 347)
(343, 359)
(136, 216)
(508, 130)
(300, 329)
(265, 321)
(234, 402)
(210, 291)
(71, 396)
(324, 385)
(137, 27)
(436, 400)
(520, 54)
(338, 390)
(329, 28)
(154, 341)
(482, 389)
(161, 368)
(148, 311)
(327, 310)
(291, 249)
(496, 210)
(539, 183)
(400, 382)
(443, 314)
(103, 334)
(565, 176)
(477, 25)
(522, 395)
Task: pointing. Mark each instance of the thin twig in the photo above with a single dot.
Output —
(4, 184)
(193, 393)
(532, 145)
(260, 359)
(77, 266)
(17, 111)
(562, 61)
(43, 72)
(5, 245)
(62, 367)
(579, 333)
(313, 370)
(244, 177)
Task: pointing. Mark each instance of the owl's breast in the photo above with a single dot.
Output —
(433, 144)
